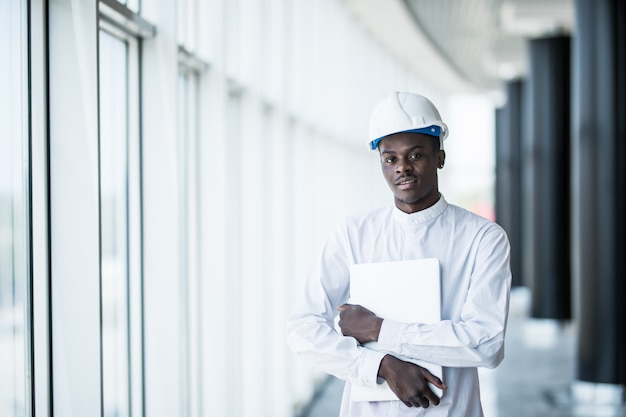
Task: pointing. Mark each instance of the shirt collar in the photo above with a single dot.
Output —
(421, 216)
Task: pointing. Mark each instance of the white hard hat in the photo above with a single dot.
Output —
(405, 112)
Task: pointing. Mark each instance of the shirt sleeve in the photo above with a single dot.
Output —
(311, 330)
(477, 339)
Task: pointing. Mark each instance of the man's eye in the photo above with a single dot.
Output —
(390, 160)
(415, 156)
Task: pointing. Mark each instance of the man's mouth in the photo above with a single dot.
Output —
(406, 181)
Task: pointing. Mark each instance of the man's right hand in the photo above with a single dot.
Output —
(409, 382)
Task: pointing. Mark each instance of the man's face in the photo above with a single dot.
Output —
(409, 162)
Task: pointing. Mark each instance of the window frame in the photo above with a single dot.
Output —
(128, 26)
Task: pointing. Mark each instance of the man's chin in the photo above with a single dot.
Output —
(403, 199)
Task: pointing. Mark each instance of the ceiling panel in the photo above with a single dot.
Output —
(483, 42)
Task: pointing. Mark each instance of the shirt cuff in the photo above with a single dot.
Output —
(369, 364)
(389, 337)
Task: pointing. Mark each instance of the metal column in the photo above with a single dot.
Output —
(508, 174)
(599, 190)
(546, 194)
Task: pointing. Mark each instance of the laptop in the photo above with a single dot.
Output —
(391, 290)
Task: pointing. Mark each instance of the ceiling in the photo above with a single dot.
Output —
(464, 45)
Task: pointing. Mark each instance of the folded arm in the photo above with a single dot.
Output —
(476, 339)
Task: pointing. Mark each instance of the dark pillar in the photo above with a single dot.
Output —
(599, 189)
(508, 173)
(548, 195)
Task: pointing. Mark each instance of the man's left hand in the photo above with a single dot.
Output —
(359, 322)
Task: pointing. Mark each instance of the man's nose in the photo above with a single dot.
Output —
(403, 166)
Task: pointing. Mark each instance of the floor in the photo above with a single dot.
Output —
(534, 380)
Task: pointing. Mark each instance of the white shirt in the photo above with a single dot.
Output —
(475, 285)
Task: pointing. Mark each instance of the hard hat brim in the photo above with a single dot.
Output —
(430, 130)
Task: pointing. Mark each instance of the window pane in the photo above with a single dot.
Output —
(13, 210)
(192, 384)
(114, 224)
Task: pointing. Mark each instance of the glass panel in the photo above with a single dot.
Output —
(189, 242)
(13, 210)
(114, 224)
(182, 141)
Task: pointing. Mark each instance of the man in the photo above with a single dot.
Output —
(473, 253)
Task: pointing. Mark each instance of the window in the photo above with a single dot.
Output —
(114, 224)
(14, 215)
(189, 242)
(120, 216)
(189, 78)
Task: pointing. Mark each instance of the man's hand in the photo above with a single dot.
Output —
(359, 322)
(410, 382)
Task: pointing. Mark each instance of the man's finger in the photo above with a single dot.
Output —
(421, 402)
(432, 397)
(434, 380)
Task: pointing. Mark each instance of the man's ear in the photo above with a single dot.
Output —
(441, 158)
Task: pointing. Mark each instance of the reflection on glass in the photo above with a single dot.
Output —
(114, 224)
(13, 209)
